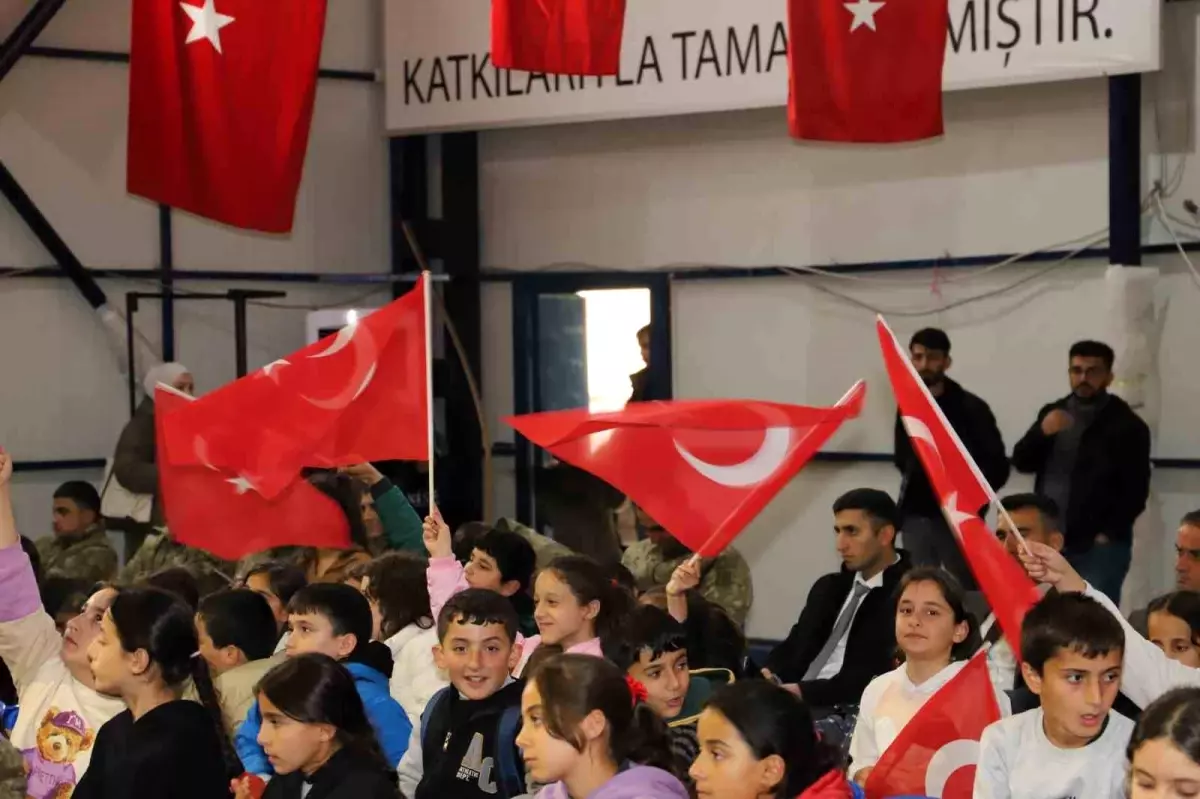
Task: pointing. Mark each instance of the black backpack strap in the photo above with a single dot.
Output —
(435, 723)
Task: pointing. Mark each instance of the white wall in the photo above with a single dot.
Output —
(63, 133)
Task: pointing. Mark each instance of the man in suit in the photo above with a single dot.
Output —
(845, 636)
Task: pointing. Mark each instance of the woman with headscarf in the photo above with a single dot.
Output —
(134, 463)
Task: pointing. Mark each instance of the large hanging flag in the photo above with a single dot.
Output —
(561, 37)
(866, 70)
(221, 99)
(961, 489)
(359, 396)
(219, 511)
(703, 469)
(936, 753)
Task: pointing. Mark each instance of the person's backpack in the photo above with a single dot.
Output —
(510, 769)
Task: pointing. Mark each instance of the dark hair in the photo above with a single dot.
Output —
(1093, 349)
(572, 686)
(82, 493)
(466, 538)
(1072, 622)
(242, 619)
(162, 625)
(514, 555)
(1175, 716)
(931, 338)
(644, 331)
(478, 606)
(622, 577)
(61, 594)
(1181, 604)
(316, 689)
(284, 578)
(954, 595)
(648, 628)
(397, 582)
(348, 611)
(1192, 518)
(879, 507)
(1046, 507)
(774, 722)
(35, 558)
(178, 581)
(347, 493)
(589, 582)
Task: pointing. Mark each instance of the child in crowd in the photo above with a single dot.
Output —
(1072, 745)
(714, 640)
(236, 631)
(1173, 624)
(276, 582)
(936, 636)
(317, 737)
(1164, 753)
(501, 561)
(394, 585)
(466, 744)
(162, 745)
(56, 688)
(335, 620)
(587, 734)
(757, 741)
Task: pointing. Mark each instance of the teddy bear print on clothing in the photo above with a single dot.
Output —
(51, 764)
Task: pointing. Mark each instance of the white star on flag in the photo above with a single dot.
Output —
(864, 12)
(241, 485)
(956, 515)
(207, 23)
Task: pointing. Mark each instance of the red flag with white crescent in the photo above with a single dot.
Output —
(961, 489)
(703, 469)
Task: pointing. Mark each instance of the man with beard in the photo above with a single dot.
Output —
(1091, 455)
(724, 580)
(927, 538)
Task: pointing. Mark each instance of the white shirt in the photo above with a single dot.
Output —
(1018, 761)
(833, 666)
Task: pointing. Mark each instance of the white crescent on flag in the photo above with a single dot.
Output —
(365, 355)
(947, 760)
(770, 456)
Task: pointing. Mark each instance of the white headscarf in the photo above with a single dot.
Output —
(163, 373)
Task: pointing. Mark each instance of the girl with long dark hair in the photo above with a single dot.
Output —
(162, 745)
(1164, 752)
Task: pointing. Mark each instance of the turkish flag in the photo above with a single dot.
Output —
(221, 99)
(962, 490)
(361, 395)
(217, 511)
(561, 37)
(866, 70)
(936, 753)
(703, 469)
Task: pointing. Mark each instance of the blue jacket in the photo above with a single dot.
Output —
(391, 723)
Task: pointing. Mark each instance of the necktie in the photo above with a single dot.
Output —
(839, 630)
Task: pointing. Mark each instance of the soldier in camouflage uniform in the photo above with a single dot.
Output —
(160, 552)
(79, 549)
(12, 771)
(725, 580)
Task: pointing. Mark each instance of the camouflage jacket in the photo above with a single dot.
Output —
(545, 549)
(90, 558)
(159, 552)
(725, 582)
(12, 771)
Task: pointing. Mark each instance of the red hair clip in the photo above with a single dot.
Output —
(636, 689)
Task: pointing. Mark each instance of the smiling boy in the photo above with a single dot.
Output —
(1073, 746)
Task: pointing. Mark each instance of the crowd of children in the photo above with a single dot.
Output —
(431, 675)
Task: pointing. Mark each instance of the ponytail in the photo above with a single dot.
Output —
(207, 692)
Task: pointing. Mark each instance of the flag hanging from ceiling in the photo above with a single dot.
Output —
(358, 396)
(561, 37)
(218, 511)
(703, 469)
(866, 70)
(221, 99)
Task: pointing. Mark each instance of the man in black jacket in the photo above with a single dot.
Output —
(845, 636)
(927, 538)
(1091, 455)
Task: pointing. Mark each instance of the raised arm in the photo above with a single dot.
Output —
(8, 522)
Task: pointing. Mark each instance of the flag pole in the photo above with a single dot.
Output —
(426, 288)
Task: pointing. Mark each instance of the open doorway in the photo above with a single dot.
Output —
(615, 322)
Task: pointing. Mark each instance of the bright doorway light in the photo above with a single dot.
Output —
(613, 318)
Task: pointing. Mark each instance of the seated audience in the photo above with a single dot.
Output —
(318, 736)
(757, 741)
(387, 515)
(845, 636)
(714, 641)
(394, 584)
(277, 583)
(178, 582)
(1187, 564)
(1072, 745)
(1174, 626)
(63, 597)
(586, 734)
(475, 720)
(236, 631)
(160, 552)
(335, 620)
(1164, 753)
(79, 549)
(725, 580)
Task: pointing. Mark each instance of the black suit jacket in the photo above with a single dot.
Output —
(870, 646)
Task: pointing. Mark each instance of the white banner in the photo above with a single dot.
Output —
(689, 56)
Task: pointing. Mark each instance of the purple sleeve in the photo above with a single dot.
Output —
(18, 588)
